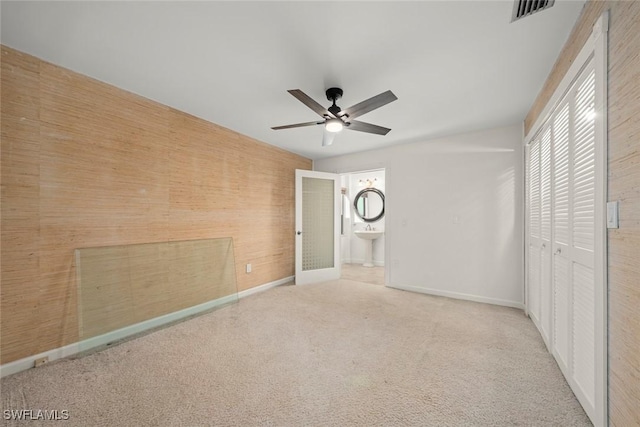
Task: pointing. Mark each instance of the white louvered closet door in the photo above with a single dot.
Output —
(561, 234)
(573, 302)
(539, 262)
(534, 238)
(566, 171)
(581, 254)
(545, 234)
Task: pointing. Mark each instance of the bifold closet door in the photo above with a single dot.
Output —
(574, 287)
(545, 235)
(582, 248)
(561, 236)
(539, 221)
(566, 172)
(534, 240)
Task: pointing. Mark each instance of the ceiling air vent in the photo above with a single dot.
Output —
(522, 8)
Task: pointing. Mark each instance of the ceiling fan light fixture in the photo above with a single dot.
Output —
(334, 125)
(335, 118)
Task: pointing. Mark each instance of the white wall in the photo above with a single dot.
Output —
(353, 246)
(454, 213)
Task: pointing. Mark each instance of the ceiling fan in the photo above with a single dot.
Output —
(335, 119)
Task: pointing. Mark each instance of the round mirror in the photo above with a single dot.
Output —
(369, 204)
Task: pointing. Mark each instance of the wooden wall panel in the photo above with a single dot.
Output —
(623, 185)
(249, 191)
(102, 182)
(85, 164)
(20, 203)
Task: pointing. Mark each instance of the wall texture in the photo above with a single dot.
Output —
(453, 223)
(623, 185)
(86, 164)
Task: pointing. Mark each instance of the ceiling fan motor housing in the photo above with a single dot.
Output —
(334, 93)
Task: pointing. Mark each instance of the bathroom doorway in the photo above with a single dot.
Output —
(363, 226)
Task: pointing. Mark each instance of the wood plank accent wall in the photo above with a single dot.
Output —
(86, 164)
(623, 185)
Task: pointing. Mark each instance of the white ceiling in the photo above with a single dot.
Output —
(455, 66)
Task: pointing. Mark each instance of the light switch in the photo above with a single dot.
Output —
(612, 214)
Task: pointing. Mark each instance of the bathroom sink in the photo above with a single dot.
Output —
(369, 234)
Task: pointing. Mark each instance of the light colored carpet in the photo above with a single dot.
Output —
(342, 353)
(373, 275)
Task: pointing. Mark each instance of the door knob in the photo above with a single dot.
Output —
(544, 245)
(299, 233)
(558, 251)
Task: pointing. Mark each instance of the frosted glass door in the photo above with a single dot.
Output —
(317, 227)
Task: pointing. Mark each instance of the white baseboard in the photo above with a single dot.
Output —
(266, 286)
(458, 295)
(28, 362)
(361, 261)
(538, 325)
(88, 344)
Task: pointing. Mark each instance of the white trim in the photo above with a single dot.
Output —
(361, 261)
(601, 42)
(525, 236)
(354, 169)
(458, 295)
(266, 286)
(28, 362)
(91, 343)
(547, 340)
(388, 207)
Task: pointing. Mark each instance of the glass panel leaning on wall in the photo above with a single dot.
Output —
(121, 286)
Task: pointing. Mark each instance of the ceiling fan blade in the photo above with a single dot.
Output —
(368, 127)
(309, 102)
(328, 137)
(370, 104)
(297, 125)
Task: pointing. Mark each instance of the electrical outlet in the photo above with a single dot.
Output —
(612, 214)
(248, 268)
(41, 361)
